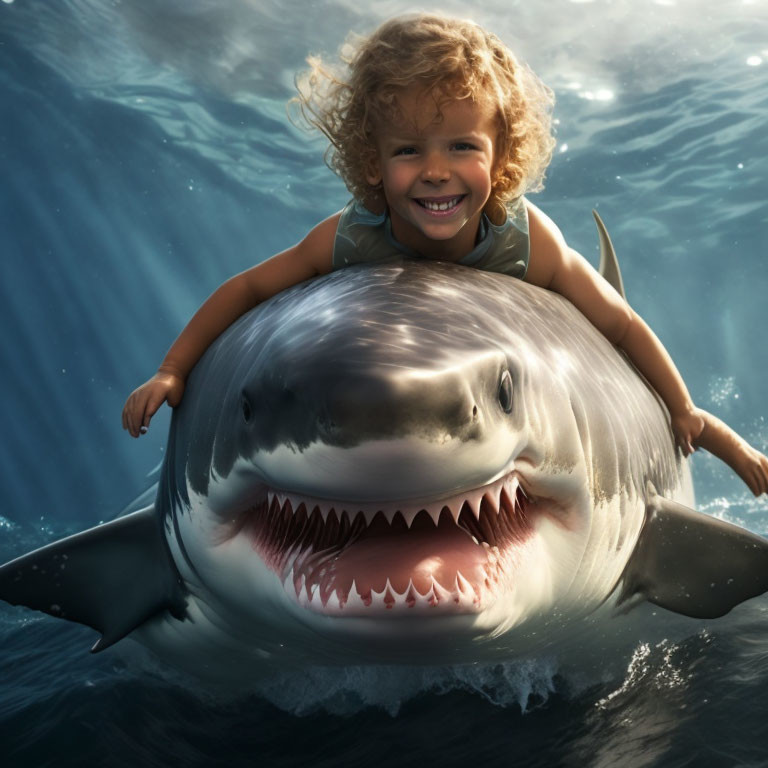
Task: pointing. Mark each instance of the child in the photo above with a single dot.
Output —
(438, 131)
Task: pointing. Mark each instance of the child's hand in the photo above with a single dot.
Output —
(142, 404)
(748, 463)
(752, 467)
(686, 427)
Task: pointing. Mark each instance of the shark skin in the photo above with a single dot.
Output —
(411, 462)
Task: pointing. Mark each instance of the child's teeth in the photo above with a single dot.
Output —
(441, 206)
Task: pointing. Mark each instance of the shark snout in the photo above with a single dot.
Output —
(346, 405)
(372, 407)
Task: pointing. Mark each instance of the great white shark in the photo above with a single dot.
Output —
(407, 461)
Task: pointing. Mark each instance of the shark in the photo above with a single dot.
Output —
(410, 461)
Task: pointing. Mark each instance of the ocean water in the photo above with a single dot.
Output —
(146, 156)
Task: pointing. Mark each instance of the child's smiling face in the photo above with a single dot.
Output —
(435, 165)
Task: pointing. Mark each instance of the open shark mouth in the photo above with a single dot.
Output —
(347, 559)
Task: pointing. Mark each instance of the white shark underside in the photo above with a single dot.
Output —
(411, 461)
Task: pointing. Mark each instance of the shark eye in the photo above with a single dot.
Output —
(246, 406)
(505, 392)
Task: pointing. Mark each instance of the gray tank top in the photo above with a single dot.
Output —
(363, 237)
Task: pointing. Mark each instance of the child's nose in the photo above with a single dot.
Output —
(435, 169)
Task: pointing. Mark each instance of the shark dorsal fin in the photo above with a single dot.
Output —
(609, 264)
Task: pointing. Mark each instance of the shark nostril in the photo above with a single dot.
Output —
(474, 411)
(246, 408)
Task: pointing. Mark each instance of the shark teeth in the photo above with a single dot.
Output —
(408, 510)
(461, 597)
(305, 540)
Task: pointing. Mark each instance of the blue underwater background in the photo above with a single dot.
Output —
(146, 156)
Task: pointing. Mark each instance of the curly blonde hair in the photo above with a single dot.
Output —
(452, 58)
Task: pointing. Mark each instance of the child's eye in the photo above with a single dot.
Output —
(405, 151)
(463, 146)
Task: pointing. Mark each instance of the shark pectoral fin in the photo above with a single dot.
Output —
(694, 564)
(112, 577)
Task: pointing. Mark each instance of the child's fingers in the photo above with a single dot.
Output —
(757, 480)
(764, 473)
(150, 409)
(130, 419)
(127, 413)
(762, 480)
(143, 416)
(131, 411)
(135, 410)
(140, 416)
(138, 413)
(143, 421)
(758, 485)
(758, 474)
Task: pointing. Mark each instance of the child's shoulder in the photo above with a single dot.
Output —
(541, 228)
(317, 247)
(548, 249)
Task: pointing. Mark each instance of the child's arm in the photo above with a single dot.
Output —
(555, 266)
(312, 256)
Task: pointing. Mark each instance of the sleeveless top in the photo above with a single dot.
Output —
(365, 237)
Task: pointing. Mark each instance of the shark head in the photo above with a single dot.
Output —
(398, 449)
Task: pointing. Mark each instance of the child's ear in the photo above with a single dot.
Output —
(373, 174)
(373, 170)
